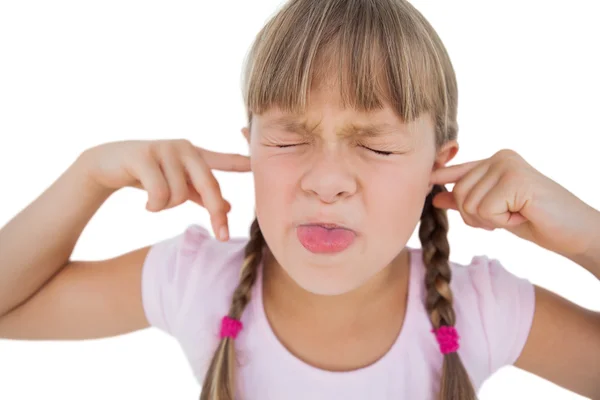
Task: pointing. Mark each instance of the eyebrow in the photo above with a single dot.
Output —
(295, 125)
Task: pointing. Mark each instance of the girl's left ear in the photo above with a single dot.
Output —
(444, 155)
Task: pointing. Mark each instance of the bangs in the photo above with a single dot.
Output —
(373, 52)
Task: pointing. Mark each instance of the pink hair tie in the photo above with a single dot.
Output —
(230, 327)
(447, 338)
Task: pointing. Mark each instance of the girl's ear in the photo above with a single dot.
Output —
(246, 133)
(444, 155)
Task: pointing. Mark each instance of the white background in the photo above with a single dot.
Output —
(74, 74)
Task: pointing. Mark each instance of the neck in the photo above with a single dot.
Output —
(284, 294)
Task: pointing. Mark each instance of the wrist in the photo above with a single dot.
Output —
(81, 168)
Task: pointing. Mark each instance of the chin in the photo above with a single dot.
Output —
(324, 283)
(327, 274)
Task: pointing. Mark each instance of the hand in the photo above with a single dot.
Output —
(504, 191)
(171, 171)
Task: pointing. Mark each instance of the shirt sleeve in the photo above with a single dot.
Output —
(506, 305)
(167, 274)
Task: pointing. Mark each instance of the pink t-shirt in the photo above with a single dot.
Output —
(187, 285)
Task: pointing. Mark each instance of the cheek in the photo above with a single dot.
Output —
(275, 173)
(395, 198)
(275, 181)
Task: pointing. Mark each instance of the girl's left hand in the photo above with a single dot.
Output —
(504, 191)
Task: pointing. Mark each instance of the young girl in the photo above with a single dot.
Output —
(352, 109)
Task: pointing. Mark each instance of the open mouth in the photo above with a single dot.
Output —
(325, 238)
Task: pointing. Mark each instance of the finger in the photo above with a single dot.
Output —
(175, 175)
(194, 195)
(475, 196)
(515, 219)
(208, 188)
(153, 181)
(196, 198)
(494, 207)
(452, 174)
(445, 200)
(463, 188)
(225, 161)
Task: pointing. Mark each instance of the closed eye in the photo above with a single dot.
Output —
(380, 152)
(383, 153)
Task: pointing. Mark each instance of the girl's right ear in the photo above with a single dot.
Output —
(246, 133)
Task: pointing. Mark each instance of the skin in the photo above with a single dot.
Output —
(327, 175)
(504, 191)
(46, 295)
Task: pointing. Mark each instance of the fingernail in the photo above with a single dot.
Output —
(223, 233)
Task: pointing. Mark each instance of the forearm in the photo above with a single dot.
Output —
(590, 259)
(40, 239)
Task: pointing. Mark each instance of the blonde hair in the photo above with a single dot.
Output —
(382, 51)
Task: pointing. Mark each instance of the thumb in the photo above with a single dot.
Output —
(445, 200)
(512, 219)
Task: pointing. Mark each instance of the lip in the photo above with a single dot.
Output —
(322, 237)
(326, 224)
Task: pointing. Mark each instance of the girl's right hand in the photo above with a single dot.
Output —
(170, 171)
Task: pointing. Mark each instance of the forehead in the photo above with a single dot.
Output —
(325, 113)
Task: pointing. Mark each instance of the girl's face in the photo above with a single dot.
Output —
(323, 166)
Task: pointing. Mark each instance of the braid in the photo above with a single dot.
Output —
(433, 233)
(219, 383)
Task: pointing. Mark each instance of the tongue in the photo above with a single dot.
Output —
(318, 239)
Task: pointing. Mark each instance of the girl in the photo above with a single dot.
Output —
(352, 111)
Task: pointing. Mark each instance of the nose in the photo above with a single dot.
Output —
(329, 176)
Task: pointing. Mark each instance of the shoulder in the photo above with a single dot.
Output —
(494, 310)
(191, 272)
(494, 307)
(491, 283)
(526, 326)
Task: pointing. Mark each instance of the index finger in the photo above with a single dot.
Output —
(207, 186)
(453, 173)
(225, 161)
